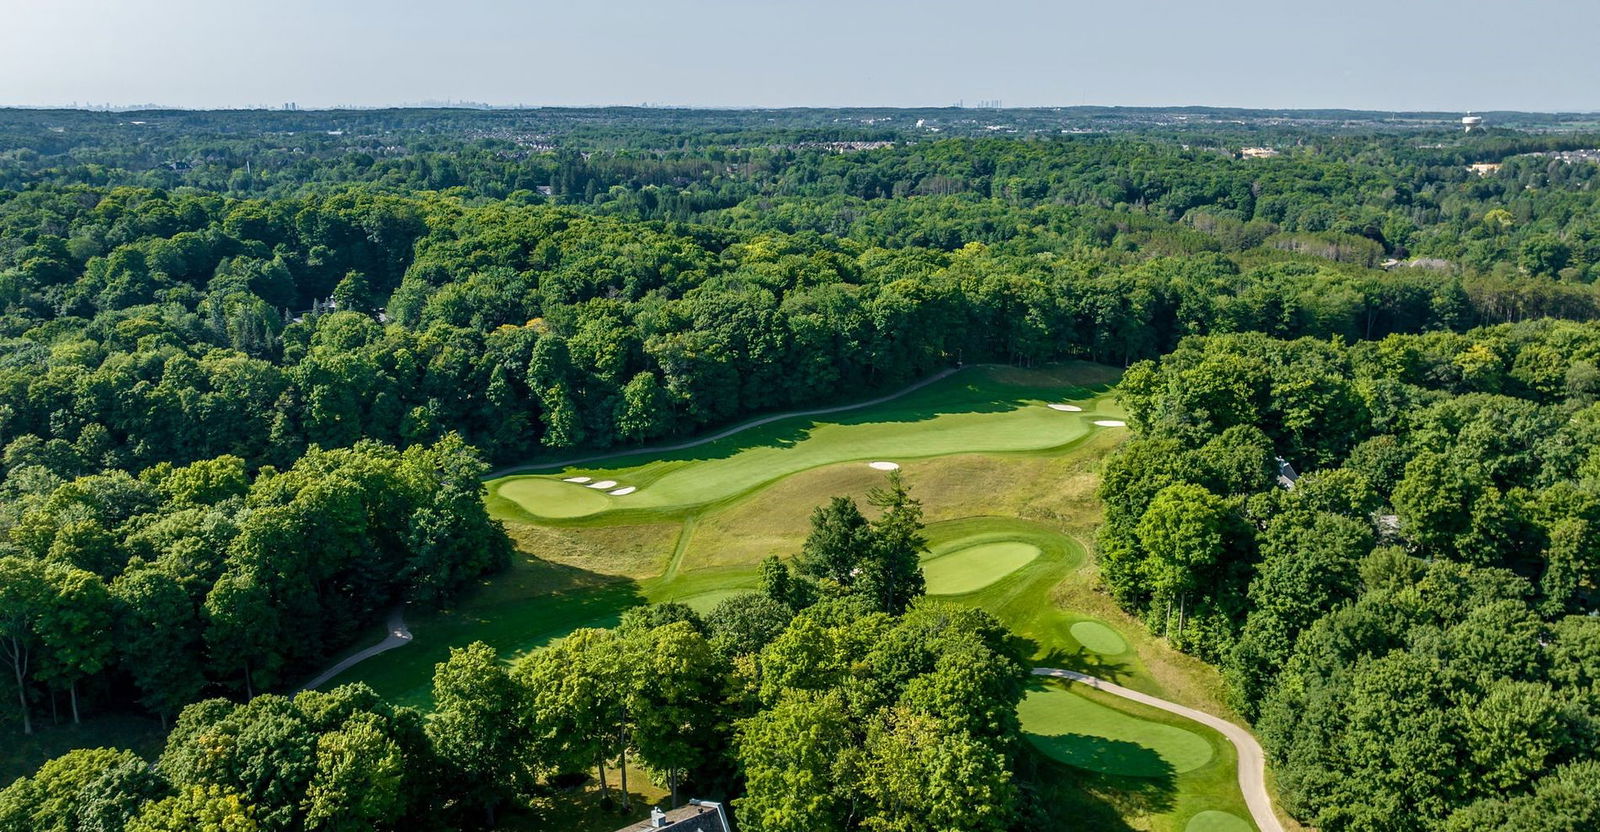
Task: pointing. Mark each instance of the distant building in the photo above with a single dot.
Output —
(1471, 122)
(698, 816)
(1258, 152)
(1484, 168)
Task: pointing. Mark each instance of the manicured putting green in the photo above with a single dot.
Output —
(1086, 734)
(972, 568)
(1099, 638)
(1214, 821)
(554, 498)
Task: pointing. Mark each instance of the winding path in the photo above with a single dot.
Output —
(399, 636)
(724, 434)
(1252, 760)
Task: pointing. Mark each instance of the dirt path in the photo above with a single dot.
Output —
(724, 434)
(399, 636)
(1252, 760)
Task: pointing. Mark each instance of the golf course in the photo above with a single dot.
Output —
(1005, 461)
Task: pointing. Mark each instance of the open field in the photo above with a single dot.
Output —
(1007, 484)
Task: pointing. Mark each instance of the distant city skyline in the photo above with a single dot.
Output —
(1362, 54)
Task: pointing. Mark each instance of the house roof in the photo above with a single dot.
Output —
(691, 818)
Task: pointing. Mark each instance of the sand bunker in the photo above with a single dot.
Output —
(604, 484)
(576, 479)
(1111, 423)
(1066, 408)
(885, 466)
(624, 491)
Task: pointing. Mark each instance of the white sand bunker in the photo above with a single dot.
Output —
(576, 479)
(885, 466)
(1111, 423)
(604, 484)
(621, 492)
(1066, 408)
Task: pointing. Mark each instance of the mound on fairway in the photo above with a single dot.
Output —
(1099, 638)
(1086, 734)
(1212, 820)
(971, 568)
(553, 498)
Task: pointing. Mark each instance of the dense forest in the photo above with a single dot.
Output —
(252, 372)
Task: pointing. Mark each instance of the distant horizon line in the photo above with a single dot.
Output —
(475, 106)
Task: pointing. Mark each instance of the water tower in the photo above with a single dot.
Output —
(1471, 123)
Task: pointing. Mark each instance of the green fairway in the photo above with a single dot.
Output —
(966, 413)
(1071, 728)
(1007, 484)
(974, 567)
(1098, 637)
(1214, 821)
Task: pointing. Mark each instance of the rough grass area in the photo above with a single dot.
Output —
(1008, 489)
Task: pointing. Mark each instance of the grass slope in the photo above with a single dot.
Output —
(1008, 488)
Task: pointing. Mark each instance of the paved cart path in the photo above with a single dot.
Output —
(399, 636)
(1252, 760)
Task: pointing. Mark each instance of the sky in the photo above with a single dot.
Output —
(1534, 55)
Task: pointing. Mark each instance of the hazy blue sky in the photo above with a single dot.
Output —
(1378, 54)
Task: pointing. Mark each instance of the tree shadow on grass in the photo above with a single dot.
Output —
(1063, 796)
(961, 393)
(1082, 660)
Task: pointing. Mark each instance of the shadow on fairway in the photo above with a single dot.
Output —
(1087, 661)
(1061, 796)
(971, 390)
(526, 607)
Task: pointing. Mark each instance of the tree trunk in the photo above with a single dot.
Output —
(600, 766)
(55, 708)
(249, 692)
(74, 689)
(672, 785)
(18, 659)
(623, 773)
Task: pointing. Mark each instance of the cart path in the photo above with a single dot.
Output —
(399, 636)
(724, 434)
(1252, 760)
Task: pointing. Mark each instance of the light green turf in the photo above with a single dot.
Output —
(1213, 821)
(1096, 636)
(965, 413)
(972, 568)
(538, 600)
(554, 498)
(1074, 730)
